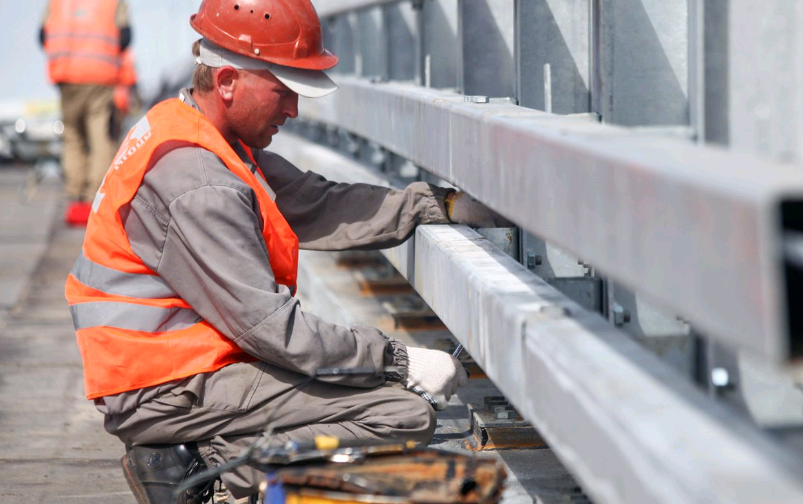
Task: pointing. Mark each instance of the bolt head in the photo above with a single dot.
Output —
(720, 377)
(531, 260)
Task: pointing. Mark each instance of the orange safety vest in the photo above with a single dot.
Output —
(82, 42)
(133, 330)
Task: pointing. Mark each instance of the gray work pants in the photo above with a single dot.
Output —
(227, 410)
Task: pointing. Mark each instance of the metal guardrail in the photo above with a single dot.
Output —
(700, 229)
(623, 422)
(657, 226)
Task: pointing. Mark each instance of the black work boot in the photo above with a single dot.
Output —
(153, 473)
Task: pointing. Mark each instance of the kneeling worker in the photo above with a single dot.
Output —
(183, 296)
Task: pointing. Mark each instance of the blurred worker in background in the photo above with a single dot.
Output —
(83, 40)
(183, 297)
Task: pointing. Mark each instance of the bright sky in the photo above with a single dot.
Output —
(162, 37)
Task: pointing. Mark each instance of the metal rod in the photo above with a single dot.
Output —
(547, 88)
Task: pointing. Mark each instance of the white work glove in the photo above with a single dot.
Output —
(463, 209)
(434, 375)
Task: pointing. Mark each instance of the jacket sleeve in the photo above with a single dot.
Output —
(327, 215)
(206, 243)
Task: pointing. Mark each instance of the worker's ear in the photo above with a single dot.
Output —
(225, 81)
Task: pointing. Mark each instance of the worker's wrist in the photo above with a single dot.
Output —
(400, 362)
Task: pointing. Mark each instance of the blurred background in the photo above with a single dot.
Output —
(162, 39)
(29, 108)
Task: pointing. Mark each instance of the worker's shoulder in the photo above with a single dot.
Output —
(187, 168)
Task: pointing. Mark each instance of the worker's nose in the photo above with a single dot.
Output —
(291, 107)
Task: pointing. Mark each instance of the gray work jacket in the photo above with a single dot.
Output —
(198, 226)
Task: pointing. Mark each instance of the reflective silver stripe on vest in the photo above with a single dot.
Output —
(83, 36)
(114, 61)
(118, 283)
(134, 317)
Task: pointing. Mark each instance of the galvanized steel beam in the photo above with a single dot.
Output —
(627, 426)
(326, 8)
(698, 229)
(628, 435)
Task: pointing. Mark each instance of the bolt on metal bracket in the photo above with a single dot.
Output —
(486, 99)
(720, 378)
(475, 99)
(534, 260)
(498, 426)
(620, 315)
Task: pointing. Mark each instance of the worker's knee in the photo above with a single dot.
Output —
(431, 421)
(416, 419)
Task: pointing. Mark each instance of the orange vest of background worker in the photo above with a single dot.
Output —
(83, 40)
(135, 337)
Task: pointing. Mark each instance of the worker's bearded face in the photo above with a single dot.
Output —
(260, 106)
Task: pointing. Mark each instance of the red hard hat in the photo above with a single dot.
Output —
(284, 32)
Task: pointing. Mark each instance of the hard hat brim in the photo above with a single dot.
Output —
(307, 83)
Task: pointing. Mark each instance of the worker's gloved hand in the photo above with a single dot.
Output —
(463, 209)
(434, 375)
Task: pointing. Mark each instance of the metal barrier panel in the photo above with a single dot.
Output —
(715, 73)
(340, 36)
(440, 42)
(486, 31)
(372, 42)
(641, 54)
(401, 30)
(326, 8)
(553, 55)
(766, 78)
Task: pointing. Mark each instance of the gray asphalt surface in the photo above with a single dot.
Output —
(52, 444)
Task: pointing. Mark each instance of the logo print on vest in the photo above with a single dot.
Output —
(135, 139)
(138, 135)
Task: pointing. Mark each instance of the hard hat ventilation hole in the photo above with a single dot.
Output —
(236, 7)
(252, 12)
(267, 16)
